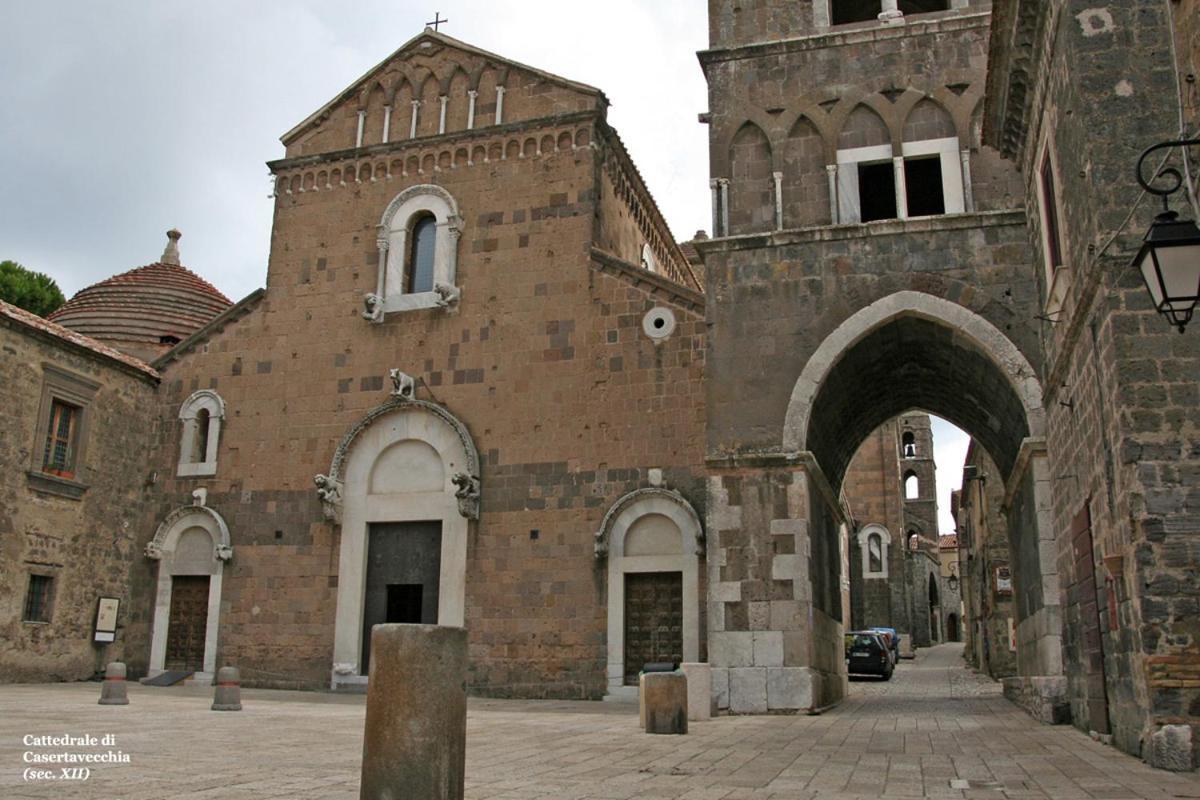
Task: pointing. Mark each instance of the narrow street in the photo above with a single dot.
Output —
(934, 730)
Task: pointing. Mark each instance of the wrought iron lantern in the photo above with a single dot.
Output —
(1169, 259)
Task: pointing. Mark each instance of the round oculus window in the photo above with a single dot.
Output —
(659, 323)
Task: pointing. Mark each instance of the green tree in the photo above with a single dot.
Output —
(29, 290)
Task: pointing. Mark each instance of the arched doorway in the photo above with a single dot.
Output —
(652, 539)
(404, 485)
(191, 547)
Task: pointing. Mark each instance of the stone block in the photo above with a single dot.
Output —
(665, 699)
(700, 690)
(414, 744)
(768, 648)
(787, 567)
(790, 689)
(720, 688)
(731, 649)
(1171, 748)
(748, 690)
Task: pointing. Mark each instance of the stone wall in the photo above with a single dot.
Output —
(81, 532)
(544, 359)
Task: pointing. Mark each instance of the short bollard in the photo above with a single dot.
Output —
(113, 692)
(415, 742)
(228, 694)
(666, 702)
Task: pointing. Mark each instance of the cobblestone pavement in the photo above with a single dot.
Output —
(932, 727)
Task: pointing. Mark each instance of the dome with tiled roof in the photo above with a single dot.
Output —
(146, 311)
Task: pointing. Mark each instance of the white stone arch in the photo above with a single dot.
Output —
(392, 240)
(191, 462)
(650, 515)
(431, 473)
(864, 541)
(193, 520)
(965, 323)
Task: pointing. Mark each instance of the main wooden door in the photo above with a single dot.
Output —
(187, 623)
(653, 620)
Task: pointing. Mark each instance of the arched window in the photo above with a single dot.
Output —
(418, 272)
(912, 486)
(418, 253)
(648, 258)
(201, 415)
(909, 445)
(874, 540)
(875, 553)
(914, 540)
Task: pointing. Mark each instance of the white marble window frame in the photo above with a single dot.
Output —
(192, 464)
(864, 542)
(394, 233)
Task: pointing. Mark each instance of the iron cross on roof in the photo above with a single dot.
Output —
(437, 20)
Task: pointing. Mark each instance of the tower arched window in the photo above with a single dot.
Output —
(912, 486)
(418, 273)
(201, 416)
(908, 444)
(874, 540)
(875, 553)
(914, 540)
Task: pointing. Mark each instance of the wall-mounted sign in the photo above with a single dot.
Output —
(106, 619)
(1003, 580)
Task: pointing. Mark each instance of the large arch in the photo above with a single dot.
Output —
(406, 461)
(647, 531)
(191, 542)
(913, 350)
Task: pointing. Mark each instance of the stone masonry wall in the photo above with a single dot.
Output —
(85, 544)
(568, 401)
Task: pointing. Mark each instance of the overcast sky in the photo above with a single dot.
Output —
(121, 120)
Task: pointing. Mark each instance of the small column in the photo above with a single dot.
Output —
(442, 114)
(891, 13)
(968, 191)
(227, 695)
(715, 185)
(499, 105)
(415, 737)
(901, 190)
(471, 95)
(387, 123)
(362, 122)
(832, 171)
(778, 200)
(412, 128)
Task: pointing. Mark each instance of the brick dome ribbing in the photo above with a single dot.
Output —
(143, 311)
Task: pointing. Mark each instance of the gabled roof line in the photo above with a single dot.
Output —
(229, 315)
(76, 341)
(450, 42)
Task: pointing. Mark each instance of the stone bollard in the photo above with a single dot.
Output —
(114, 692)
(700, 694)
(228, 694)
(666, 698)
(415, 740)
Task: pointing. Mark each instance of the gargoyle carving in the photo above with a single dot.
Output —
(330, 492)
(601, 544)
(372, 307)
(154, 551)
(467, 492)
(447, 295)
(345, 668)
(224, 552)
(403, 385)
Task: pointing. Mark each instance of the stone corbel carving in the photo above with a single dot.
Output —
(224, 552)
(601, 545)
(447, 296)
(372, 307)
(403, 386)
(200, 497)
(345, 668)
(154, 551)
(467, 493)
(330, 492)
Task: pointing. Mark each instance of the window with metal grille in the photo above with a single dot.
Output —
(59, 455)
(37, 599)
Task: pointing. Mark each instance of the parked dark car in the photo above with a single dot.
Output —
(892, 639)
(868, 654)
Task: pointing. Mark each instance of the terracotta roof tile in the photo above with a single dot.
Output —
(29, 320)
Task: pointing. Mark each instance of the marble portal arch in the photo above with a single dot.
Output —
(406, 461)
